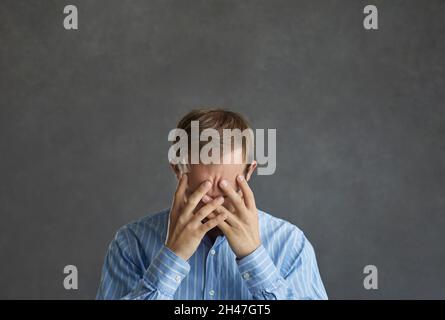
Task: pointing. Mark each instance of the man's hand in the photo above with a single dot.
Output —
(186, 229)
(241, 226)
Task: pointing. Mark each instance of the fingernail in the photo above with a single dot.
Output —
(207, 184)
(220, 200)
(240, 178)
(223, 183)
(206, 198)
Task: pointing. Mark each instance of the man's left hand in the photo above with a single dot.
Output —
(241, 226)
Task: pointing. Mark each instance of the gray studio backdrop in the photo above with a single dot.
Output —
(359, 115)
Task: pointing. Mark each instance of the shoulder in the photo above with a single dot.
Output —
(283, 240)
(276, 228)
(151, 228)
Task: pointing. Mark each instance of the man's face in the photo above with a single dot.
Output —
(214, 173)
(228, 170)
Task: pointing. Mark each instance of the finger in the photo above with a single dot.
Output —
(206, 199)
(225, 227)
(232, 194)
(210, 224)
(229, 206)
(232, 219)
(179, 196)
(249, 198)
(207, 209)
(227, 202)
(212, 215)
(181, 187)
(196, 196)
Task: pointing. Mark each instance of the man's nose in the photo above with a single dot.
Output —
(215, 191)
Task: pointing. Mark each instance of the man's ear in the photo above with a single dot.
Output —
(250, 169)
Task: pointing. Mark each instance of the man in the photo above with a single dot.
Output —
(213, 243)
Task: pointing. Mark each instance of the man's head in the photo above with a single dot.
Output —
(227, 168)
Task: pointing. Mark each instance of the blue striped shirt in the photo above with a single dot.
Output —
(138, 265)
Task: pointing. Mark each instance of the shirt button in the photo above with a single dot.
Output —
(177, 278)
(246, 276)
(211, 292)
(212, 252)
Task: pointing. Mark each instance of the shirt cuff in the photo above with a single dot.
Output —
(259, 272)
(166, 271)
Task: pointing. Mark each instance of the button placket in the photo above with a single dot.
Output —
(210, 292)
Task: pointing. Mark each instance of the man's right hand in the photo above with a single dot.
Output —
(186, 228)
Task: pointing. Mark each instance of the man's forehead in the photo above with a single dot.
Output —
(226, 157)
(217, 168)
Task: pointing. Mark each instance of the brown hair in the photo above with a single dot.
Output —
(214, 118)
(218, 119)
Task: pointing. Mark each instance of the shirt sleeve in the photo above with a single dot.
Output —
(123, 279)
(266, 282)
